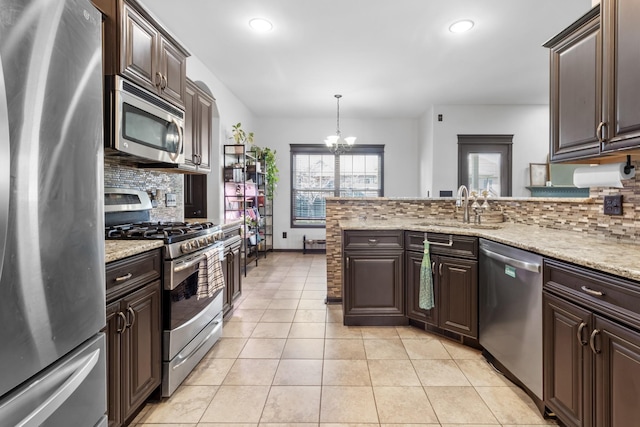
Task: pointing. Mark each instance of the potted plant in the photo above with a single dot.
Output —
(271, 170)
(240, 136)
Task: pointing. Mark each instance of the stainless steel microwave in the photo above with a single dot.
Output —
(142, 125)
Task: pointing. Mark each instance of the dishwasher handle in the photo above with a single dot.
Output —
(529, 266)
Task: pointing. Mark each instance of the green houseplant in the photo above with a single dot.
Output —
(240, 136)
(271, 170)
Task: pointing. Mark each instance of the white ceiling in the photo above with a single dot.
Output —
(388, 58)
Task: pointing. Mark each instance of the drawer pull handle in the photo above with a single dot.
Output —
(599, 131)
(123, 278)
(121, 315)
(373, 241)
(440, 269)
(132, 312)
(433, 265)
(592, 291)
(579, 334)
(592, 341)
(448, 244)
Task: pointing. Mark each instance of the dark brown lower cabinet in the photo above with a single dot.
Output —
(591, 345)
(134, 358)
(232, 278)
(455, 282)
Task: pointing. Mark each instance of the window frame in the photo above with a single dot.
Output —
(487, 144)
(310, 149)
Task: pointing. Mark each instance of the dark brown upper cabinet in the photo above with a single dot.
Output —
(137, 47)
(198, 130)
(595, 85)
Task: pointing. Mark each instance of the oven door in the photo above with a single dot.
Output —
(146, 126)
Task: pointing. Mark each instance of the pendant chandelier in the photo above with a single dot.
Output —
(335, 143)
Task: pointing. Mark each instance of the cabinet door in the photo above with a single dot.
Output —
(139, 49)
(116, 324)
(576, 93)
(621, 74)
(374, 287)
(567, 360)
(617, 374)
(173, 67)
(458, 286)
(413, 263)
(141, 362)
(227, 271)
(236, 276)
(190, 127)
(205, 132)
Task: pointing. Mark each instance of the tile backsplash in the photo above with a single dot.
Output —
(120, 175)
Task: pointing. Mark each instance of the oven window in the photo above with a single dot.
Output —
(183, 302)
(149, 130)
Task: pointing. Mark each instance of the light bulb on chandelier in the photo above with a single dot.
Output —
(335, 143)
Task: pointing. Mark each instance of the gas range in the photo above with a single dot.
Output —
(180, 238)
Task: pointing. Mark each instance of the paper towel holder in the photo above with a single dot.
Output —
(628, 166)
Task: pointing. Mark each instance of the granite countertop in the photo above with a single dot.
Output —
(609, 256)
(119, 249)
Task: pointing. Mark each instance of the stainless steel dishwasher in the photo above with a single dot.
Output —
(510, 324)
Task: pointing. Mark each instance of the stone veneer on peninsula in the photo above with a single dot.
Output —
(579, 216)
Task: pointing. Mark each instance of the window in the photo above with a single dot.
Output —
(484, 163)
(317, 174)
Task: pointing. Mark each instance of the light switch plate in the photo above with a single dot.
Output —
(170, 200)
(613, 205)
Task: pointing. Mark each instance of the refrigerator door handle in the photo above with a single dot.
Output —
(5, 167)
(80, 369)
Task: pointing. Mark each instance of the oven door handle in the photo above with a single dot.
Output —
(188, 264)
(186, 358)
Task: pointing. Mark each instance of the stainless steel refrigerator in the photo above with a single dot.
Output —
(52, 292)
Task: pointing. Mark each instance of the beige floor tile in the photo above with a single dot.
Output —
(310, 316)
(403, 405)
(316, 286)
(237, 404)
(246, 315)
(459, 351)
(294, 285)
(166, 425)
(303, 348)
(254, 303)
(411, 425)
(379, 332)
(312, 304)
(263, 348)
(511, 405)
(319, 295)
(345, 404)
(288, 294)
(186, 405)
(292, 404)
(344, 349)
(334, 316)
(226, 425)
(338, 330)
(346, 372)
(393, 373)
(238, 329)
(263, 293)
(299, 372)
(284, 304)
(411, 332)
(227, 348)
(385, 349)
(459, 405)
(440, 372)
(278, 315)
(252, 372)
(209, 372)
(480, 373)
(271, 330)
(425, 349)
(317, 275)
(306, 330)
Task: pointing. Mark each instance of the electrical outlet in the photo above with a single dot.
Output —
(613, 205)
(284, 234)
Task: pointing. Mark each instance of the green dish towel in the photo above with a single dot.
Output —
(425, 299)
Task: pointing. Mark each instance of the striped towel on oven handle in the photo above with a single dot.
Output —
(210, 276)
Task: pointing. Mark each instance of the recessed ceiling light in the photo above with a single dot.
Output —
(260, 25)
(461, 26)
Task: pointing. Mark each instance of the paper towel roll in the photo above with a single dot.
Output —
(610, 175)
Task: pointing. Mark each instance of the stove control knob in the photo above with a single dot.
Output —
(203, 241)
(195, 244)
(185, 247)
(211, 239)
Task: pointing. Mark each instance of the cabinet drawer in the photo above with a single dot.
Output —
(125, 275)
(368, 239)
(462, 246)
(615, 297)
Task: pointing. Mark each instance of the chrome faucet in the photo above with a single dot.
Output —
(463, 192)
